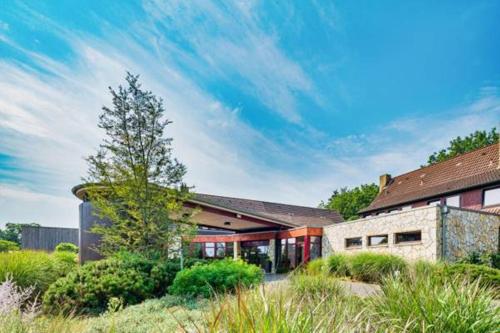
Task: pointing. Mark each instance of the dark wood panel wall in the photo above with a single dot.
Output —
(47, 238)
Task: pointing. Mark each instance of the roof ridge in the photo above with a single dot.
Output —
(448, 160)
(263, 201)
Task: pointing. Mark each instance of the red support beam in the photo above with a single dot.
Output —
(307, 248)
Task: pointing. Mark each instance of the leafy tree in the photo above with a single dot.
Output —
(348, 202)
(459, 145)
(12, 232)
(133, 181)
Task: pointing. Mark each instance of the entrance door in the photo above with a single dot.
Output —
(256, 253)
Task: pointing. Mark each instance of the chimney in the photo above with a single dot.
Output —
(384, 181)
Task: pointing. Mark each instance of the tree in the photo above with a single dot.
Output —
(12, 231)
(348, 202)
(459, 145)
(133, 181)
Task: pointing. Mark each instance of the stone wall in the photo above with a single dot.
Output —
(425, 219)
(467, 231)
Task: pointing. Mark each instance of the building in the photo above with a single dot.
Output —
(443, 211)
(271, 235)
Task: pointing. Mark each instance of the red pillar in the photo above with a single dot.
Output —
(307, 248)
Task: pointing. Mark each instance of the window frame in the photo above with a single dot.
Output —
(353, 246)
(407, 242)
(484, 196)
(376, 245)
(453, 196)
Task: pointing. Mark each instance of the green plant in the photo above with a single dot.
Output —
(35, 268)
(338, 265)
(316, 266)
(316, 285)
(66, 247)
(425, 304)
(6, 246)
(371, 267)
(487, 275)
(218, 276)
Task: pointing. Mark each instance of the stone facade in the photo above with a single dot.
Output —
(467, 231)
(464, 231)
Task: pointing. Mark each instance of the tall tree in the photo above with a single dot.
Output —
(133, 181)
(459, 145)
(348, 202)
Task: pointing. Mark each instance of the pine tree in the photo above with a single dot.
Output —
(133, 181)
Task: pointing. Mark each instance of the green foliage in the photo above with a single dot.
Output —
(316, 266)
(67, 247)
(133, 181)
(316, 285)
(487, 275)
(348, 202)
(338, 265)
(12, 232)
(6, 246)
(479, 258)
(371, 267)
(459, 145)
(34, 268)
(218, 276)
(126, 278)
(426, 304)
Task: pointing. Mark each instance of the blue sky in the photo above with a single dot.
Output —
(274, 101)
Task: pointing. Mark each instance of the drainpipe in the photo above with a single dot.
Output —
(444, 210)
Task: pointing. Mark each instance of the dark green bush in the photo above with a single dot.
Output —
(218, 276)
(371, 267)
(131, 278)
(6, 246)
(487, 275)
(482, 258)
(67, 247)
(339, 265)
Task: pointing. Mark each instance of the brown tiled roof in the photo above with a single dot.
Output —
(473, 169)
(289, 214)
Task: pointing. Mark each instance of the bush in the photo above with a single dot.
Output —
(339, 265)
(126, 277)
(218, 276)
(487, 275)
(316, 266)
(315, 286)
(371, 267)
(35, 268)
(67, 247)
(6, 246)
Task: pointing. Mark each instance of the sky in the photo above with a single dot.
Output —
(270, 100)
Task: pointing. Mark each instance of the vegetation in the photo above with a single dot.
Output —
(458, 146)
(488, 259)
(316, 266)
(66, 247)
(126, 278)
(338, 265)
(12, 232)
(370, 267)
(35, 269)
(216, 277)
(133, 180)
(348, 202)
(6, 246)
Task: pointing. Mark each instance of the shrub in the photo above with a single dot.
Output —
(426, 304)
(34, 268)
(371, 267)
(315, 285)
(218, 276)
(338, 265)
(67, 247)
(6, 246)
(487, 275)
(316, 266)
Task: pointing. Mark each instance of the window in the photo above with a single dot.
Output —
(453, 201)
(491, 197)
(406, 207)
(209, 250)
(409, 236)
(433, 202)
(378, 240)
(315, 247)
(353, 242)
(220, 250)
